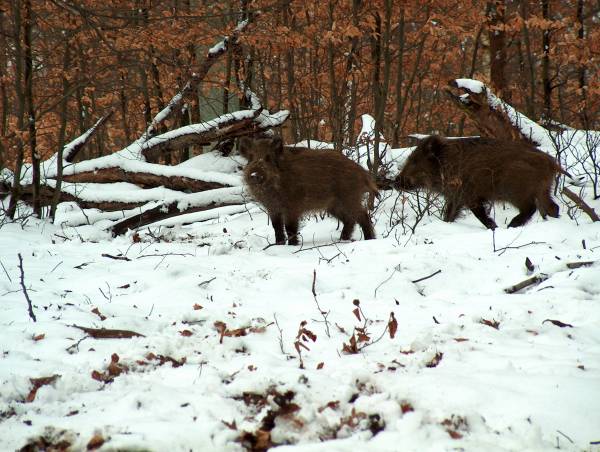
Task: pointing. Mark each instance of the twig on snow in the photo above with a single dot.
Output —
(207, 282)
(386, 280)
(573, 265)
(76, 344)
(4, 268)
(162, 255)
(29, 305)
(570, 440)
(323, 313)
(534, 280)
(105, 333)
(317, 246)
(280, 335)
(109, 297)
(426, 277)
(118, 258)
(56, 266)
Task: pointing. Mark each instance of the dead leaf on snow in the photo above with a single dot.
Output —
(37, 383)
(95, 442)
(435, 360)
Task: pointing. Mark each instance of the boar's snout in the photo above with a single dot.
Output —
(403, 182)
(256, 177)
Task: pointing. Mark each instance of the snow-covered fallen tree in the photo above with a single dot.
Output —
(130, 179)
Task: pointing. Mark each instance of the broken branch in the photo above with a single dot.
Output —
(534, 280)
(104, 333)
(581, 204)
(29, 305)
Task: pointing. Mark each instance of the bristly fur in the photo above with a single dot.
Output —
(292, 183)
(474, 172)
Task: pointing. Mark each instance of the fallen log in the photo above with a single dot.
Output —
(490, 114)
(188, 203)
(46, 196)
(159, 213)
(197, 76)
(146, 180)
(200, 134)
(174, 187)
(105, 333)
(534, 280)
(71, 150)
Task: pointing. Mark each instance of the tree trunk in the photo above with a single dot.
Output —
(382, 63)
(581, 73)
(546, 81)
(62, 133)
(20, 97)
(496, 23)
(399, 78)
(3, 89)
(530, 98)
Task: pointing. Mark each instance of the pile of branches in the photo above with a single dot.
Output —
(152, 191)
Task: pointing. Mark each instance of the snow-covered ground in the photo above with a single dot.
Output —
(448, 380)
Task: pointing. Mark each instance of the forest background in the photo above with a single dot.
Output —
(64, 64)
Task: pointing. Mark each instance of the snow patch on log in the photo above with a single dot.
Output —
(219, 196)
(267, 120)
(212, 214)
(124, 192)
(311, 144)
(118, 160)
(474, 86)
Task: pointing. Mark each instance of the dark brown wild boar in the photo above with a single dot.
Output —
(290, 184)
(474, 172)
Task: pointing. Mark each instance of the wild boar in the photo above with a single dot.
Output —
(475, 172)
(290, 184)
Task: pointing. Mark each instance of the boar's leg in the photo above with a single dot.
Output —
(347, 220)
(291, 227)
(366, 225)
(526, 211)
(347, 230)
(547, 206)
(451, 210)
(480, 212)
(277, 222)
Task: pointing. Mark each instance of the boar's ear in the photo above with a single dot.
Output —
(244, 147)
(277, 145)
(432, 146)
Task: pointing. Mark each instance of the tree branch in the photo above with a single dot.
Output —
(29, 305)
(581, 204)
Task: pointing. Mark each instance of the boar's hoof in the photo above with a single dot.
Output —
(293, 240)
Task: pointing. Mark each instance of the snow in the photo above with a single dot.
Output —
(474, 86)
(164, 113)
(312, 144)
(367, 132)
(520, 387)
(217, 48)
(70, 147)
(221, 46)
(130, 193)
(448, 380)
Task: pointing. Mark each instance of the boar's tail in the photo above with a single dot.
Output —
(372, 186)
